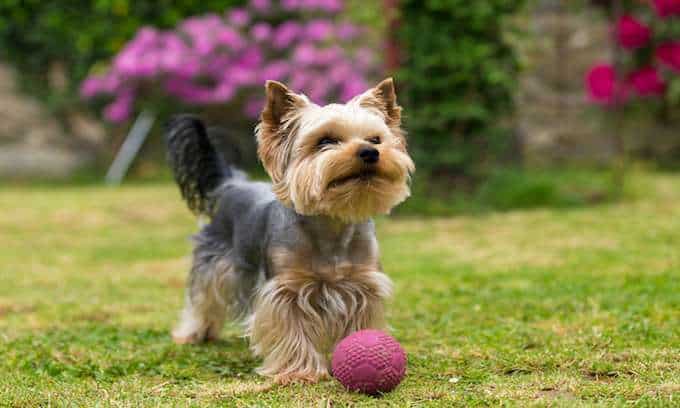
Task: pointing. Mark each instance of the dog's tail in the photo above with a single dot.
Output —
(198, 167)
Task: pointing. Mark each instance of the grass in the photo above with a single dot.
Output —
(558, 307)
(509, 188)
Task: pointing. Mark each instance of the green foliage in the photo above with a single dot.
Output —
(36, 34)
(460, 73)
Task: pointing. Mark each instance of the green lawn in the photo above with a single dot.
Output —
(548, 307)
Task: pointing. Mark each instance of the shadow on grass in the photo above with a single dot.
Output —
(106, 353)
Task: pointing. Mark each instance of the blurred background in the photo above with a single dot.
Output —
(508, 103)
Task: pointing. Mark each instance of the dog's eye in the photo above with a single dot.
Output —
(375, 140)
(327, 141)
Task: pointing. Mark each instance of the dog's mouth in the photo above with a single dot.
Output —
(362, 176)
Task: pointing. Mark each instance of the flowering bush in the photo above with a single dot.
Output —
(631, 33)
(41, 37)
(652, 62)
(669, 54)
(601, 82)
(667, 8)
(221, 59)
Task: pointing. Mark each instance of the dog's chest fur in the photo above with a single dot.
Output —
(325, 253)
(332, 275)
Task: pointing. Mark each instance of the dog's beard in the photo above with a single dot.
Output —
(337, 185)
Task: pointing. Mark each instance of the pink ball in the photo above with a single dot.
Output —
(369, 361)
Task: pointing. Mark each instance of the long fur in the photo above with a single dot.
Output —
(287, 137)
(196, 164)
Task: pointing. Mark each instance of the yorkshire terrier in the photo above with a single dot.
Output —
(296, 260)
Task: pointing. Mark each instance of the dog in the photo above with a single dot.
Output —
(296, 261)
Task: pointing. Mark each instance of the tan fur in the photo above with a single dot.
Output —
(302, 174)
(302, 312)
(206, 308)
(383, 99)
(277, 122)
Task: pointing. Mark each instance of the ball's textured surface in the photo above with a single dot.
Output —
(369, 361)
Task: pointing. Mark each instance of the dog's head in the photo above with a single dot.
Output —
(345, 161)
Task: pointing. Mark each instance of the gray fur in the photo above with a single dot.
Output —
(249, 222)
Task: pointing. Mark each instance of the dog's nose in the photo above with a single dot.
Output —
(369, 154)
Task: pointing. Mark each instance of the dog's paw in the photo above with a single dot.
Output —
(195, 337)
(192, 335)
(190, 339)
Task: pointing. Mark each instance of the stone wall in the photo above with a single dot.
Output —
(556, 122)
(562, 41)
(33, 143)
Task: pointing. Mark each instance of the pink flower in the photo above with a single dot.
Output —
(96, 85)
(667, 8)
(330, 5)
(215, 66)
(254, 106)
(328, 56)
(353, 86)
(647, 82)
(365, 58)
(631, 33)
(300, 79)
(188, 68)
(137, 64)
(121, 108)
(325, 5)
(201, 25)
(669, 55)
(251, 58)
(347, 31)
(319, 30)
(276, 70)
(242, 76)
(172, 60)
(90, 87)
(285, 34)
(340, 72)
(202, 31)
(146, 36)
(238, 17)
(305, 54)
(290, 4)
(318, 89)
(260, 5)
(261, 31)
(174, 52)
(223, 92)
(231, 38)
(603, 86)
(188, 91)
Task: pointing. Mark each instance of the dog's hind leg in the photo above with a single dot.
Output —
(209, 296)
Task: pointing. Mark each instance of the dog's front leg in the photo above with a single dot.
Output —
(288, 335)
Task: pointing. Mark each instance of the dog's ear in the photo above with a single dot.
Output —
(277, 122)
(384, 99)
(281, 101)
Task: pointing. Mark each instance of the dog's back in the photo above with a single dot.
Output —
(210, 186)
